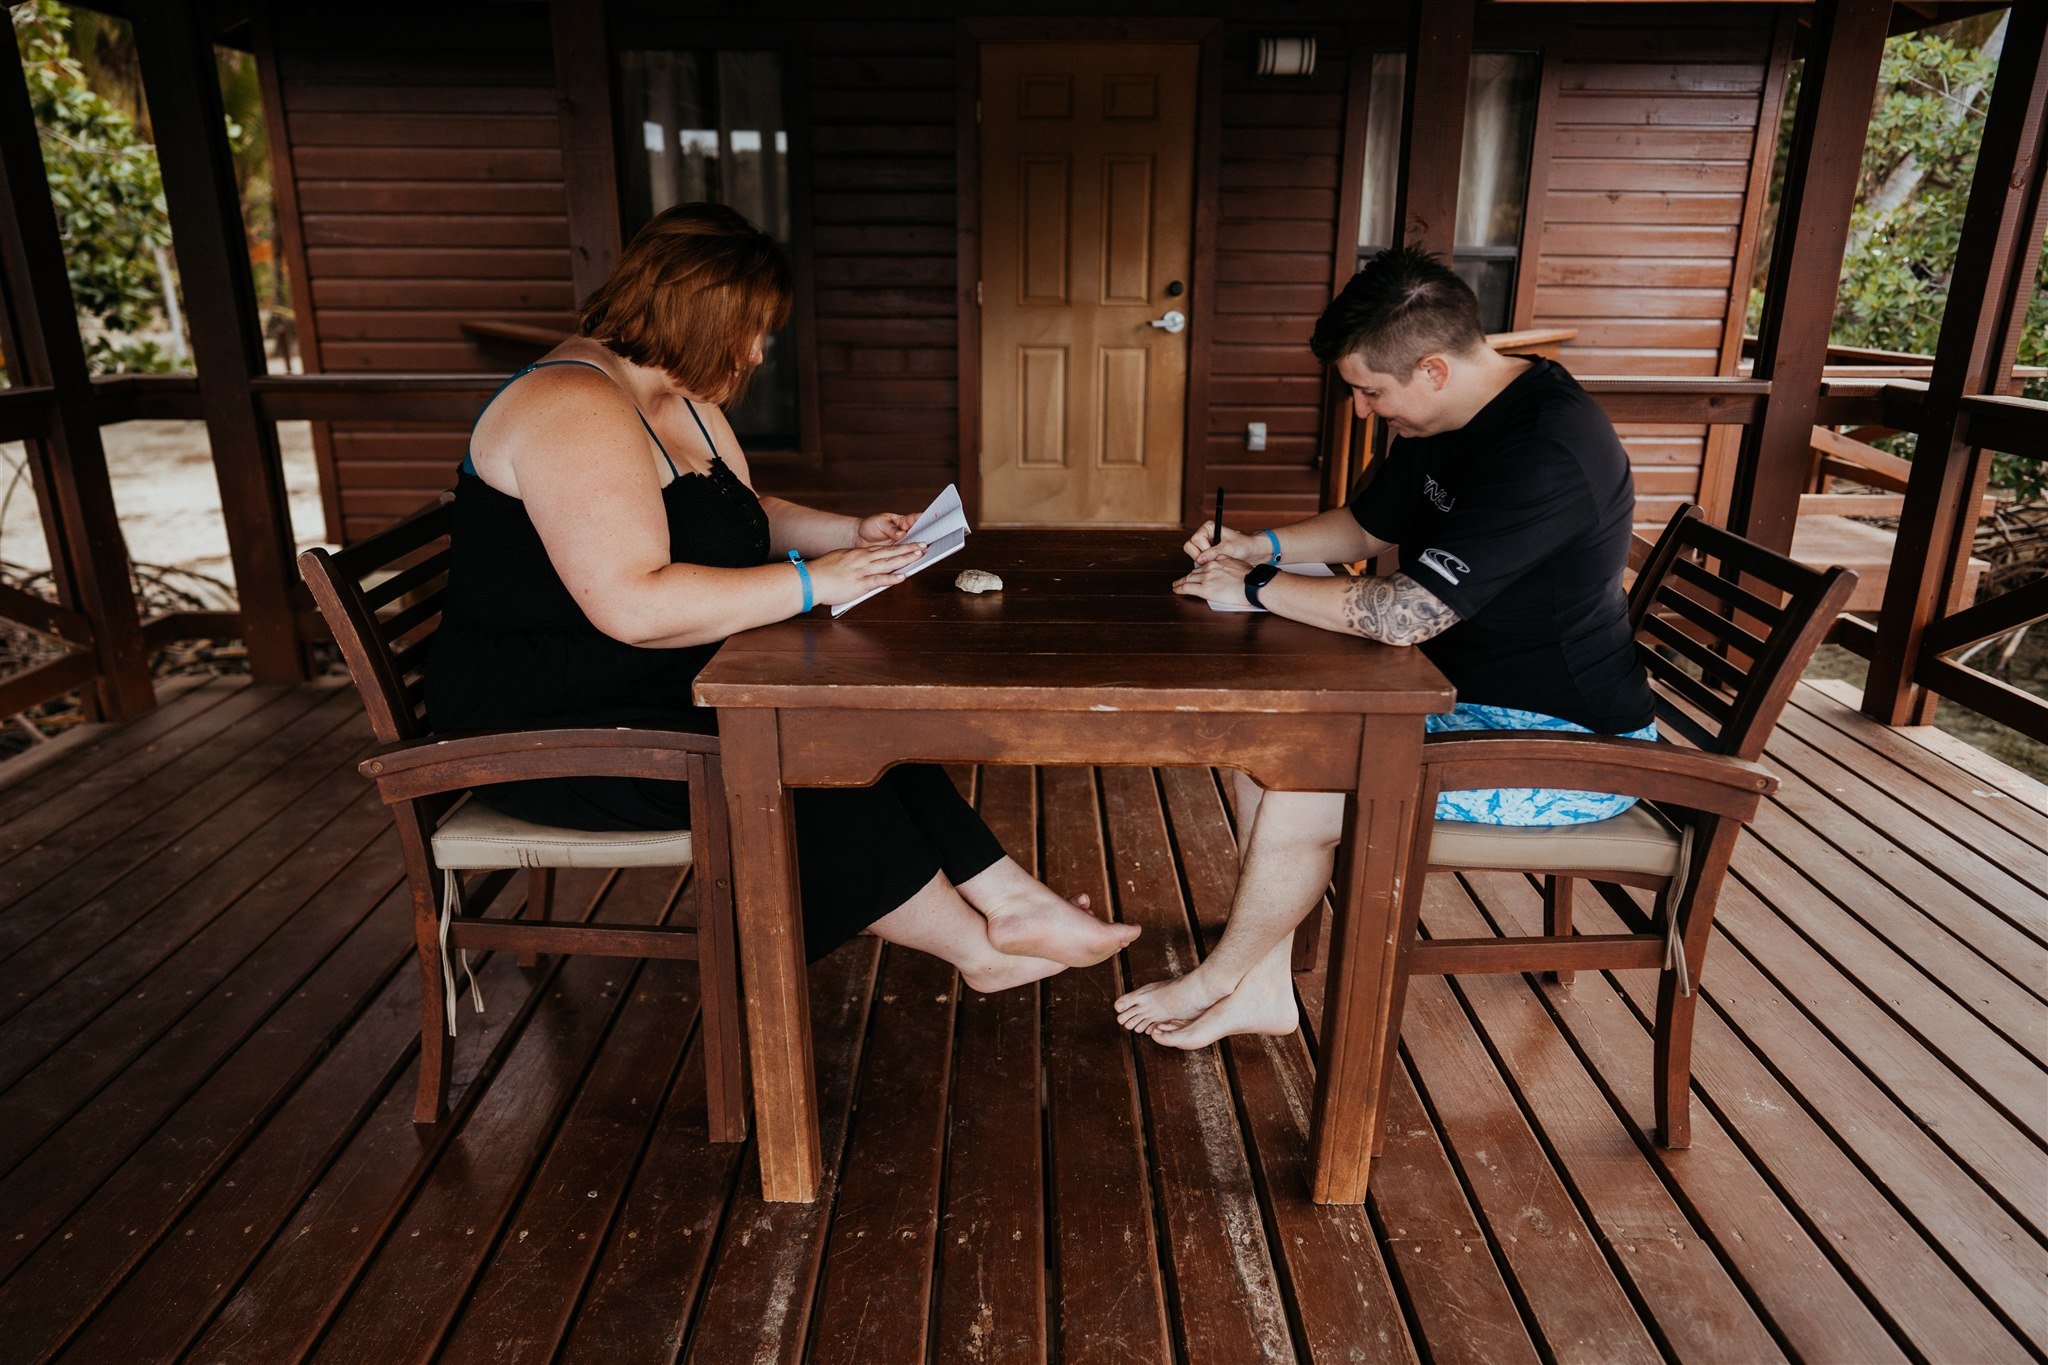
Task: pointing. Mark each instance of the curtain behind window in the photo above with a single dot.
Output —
(699, 125)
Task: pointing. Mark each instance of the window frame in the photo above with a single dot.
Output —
(1521, 293)
(651, 30)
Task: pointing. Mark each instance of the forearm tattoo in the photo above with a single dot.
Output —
(1396, 610)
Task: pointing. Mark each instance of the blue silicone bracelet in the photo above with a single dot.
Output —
(803, 571)
(1273, 539)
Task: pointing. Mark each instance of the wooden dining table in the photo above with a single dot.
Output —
(1085, 656)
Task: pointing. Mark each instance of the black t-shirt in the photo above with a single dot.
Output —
(1519, 521)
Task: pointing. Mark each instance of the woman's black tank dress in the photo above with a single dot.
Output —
(515, 652)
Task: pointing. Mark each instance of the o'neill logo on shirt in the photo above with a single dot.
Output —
(1438, 495)
(1445, 563)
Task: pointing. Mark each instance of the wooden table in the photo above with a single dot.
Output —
(1085, 657)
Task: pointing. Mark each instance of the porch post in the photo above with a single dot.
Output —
(1433, 124)
(583, 100)
(1988, 293)
(1806, 265)
(67, 462)
(182, 84)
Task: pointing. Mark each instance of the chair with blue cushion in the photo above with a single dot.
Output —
(1725, 627)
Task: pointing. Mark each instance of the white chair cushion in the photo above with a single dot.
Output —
(1637, 840)
(477, 837)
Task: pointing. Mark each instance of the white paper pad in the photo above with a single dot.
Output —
(1305, 570)
(941, 530)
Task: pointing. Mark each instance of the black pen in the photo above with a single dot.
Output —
(1217, 539)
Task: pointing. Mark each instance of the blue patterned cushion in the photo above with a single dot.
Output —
(1524, 805)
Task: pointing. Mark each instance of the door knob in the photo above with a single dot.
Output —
(1174, 321)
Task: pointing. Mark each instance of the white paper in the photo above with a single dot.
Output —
(941, 530)
(1305, 570)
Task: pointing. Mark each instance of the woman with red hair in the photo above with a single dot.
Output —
(607, 538)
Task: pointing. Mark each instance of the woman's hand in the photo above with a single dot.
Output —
(883, 528)
(1202, 547)
(845, 575)
(1219, 578)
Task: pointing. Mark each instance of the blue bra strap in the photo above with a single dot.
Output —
(469, 465)
(709, 444)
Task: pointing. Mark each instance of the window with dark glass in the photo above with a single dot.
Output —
(699, 125)
(1493, 177)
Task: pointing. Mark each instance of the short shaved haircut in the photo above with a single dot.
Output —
(1404, 305)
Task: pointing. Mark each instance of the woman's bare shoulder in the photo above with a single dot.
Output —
(557, 410)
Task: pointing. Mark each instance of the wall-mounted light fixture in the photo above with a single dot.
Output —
(1287, 56)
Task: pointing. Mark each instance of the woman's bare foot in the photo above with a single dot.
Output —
(1258, 1005)
(1027, 917)
(1000, 971)
(1168, 1002)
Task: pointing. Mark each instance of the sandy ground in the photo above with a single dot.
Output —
(165, 493)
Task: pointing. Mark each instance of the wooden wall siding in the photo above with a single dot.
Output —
(883, 223)
(430, 188)
(429, 185)
(1640, 241)
(1276, 238)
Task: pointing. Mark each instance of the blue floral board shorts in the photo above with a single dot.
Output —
(1524, 805)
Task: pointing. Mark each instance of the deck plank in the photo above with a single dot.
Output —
(416, 1284)
(1818, 1131)
(76, 824)
(290, 1293)
(757, 1306)
(1110, 1289)
(992, 1242)
(554, 1234)
(1227, 1304)
(1967, 775)
(113, 746)
(212, 1155)
(1785, 1266)
(1329, 1259)
(875, 1295)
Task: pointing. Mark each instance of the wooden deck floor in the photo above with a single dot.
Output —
(206, 1051)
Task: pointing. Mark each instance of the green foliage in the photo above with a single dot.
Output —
(1918, 163)
(108, 192)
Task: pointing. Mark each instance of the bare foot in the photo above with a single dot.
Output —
(1000, 971)
(1037, 923)
(1254, 1007)
(1163, 1002)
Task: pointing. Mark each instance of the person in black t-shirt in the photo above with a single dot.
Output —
(1509, 498)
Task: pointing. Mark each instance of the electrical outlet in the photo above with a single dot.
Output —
(1254, 435)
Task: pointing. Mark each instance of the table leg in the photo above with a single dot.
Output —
(1361, 1007)
(772, 968)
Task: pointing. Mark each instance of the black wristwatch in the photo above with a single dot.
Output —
(1259, 577)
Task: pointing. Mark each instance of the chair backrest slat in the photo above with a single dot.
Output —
(1672, 717)
(1697, 575)
(1698, 695)
(1723, 628)
(386, 653)
(1719, 669)
(1699, 602)
(412, 578)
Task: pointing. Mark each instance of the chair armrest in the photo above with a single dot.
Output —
(1602, 763)
(452, 763)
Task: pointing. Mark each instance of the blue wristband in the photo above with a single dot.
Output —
(1273, 539)
(803, 571)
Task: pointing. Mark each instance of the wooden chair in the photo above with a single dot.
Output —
(1725, 628)
(382, 599)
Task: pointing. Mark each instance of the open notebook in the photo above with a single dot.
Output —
(1305, 570)
(941, 530)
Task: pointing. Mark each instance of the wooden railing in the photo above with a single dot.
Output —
(2012, 426)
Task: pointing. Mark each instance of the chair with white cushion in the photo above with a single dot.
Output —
(382, 599)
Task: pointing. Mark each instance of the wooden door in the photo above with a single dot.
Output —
(1087, 209)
